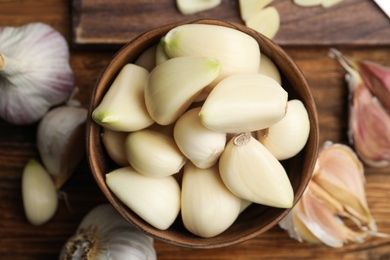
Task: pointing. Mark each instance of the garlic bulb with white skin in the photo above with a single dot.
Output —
(104, 234)
(34, 72)
(61, 141)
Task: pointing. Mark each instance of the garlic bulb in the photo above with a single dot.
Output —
(244, 102)
(34, 72)
(104, 234)
(236, 51)
(199, 144)
(60, 141)
(153, 154)
(155, 200)
(39, 194)
(123, 106)
(336, 193)
(173, 85)
(252, 173)
(195, 6)
(207, 207)
(114, 142)
(288, 136)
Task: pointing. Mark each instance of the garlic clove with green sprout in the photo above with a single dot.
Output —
(61, 141)
(252, 173)
(155, 200)
(153, 154)
(369, 122)
(125, 94)
(236, 51)
(255, 101)
(174, 84)
(207, 207)
(287, 137)
(104, 234)
(199, 144)
(114, 142)
(34, 72)
(39, 194)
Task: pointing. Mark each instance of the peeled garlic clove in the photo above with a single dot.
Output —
(245, 204)
(207, 207)
(243, 103)
(369, 122)
(287, 137)
(147, 59)
(173, 85)
(155, 200)
(329, 3)
(39, 194)
(161, 56)
(236, 51)
(266, 22)
(104, 232)
(114, 142)
(153, 154)
(306, 3)
(252, 173)
(195, 6)
(249, 8)
(199, 144)
(268, 68)
(123, 107)
(60, 141)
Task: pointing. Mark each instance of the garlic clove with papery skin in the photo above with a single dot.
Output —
(244, 102)
(207, 207)
(61, 141)
(155, 200)
(123, 106)
(39, 194)
(199, 144)
(287, 137)
(34, 72)
(252, 173)
(104, 234)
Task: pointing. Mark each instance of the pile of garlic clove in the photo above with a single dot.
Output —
(204, 136)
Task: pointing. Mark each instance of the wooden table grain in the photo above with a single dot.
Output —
(20, 240)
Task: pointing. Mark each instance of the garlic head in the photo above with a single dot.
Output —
(34, 72)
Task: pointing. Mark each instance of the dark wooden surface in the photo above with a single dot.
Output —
(20, 240)
(351, 22)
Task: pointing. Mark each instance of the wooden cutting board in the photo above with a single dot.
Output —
(110, 24)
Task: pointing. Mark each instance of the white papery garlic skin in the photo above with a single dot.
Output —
(104, 234)
(153, 154)
(208, 208)
(39, 194)
(288, 136)
(34, 72)
(199, 144)
(61, 141)
(252, 173)
(243, 103)
(155, 200)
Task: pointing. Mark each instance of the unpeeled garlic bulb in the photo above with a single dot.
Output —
(199, 144)
(369, 121)
(207, 207)
(174, 84)
(34, 72)
(252, 173)
(61, 141)
(236, 51)
(155, 200)
(244, 102)
(288, 136)
(153, 154)
(336, 193)
(195, 6)
(104, 234)
(39, 194)
(125, 94)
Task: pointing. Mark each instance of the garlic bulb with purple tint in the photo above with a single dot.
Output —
(34, 72)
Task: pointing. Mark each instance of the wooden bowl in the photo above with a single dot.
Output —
(256, 219)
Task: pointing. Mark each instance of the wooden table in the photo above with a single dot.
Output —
(20, 240)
